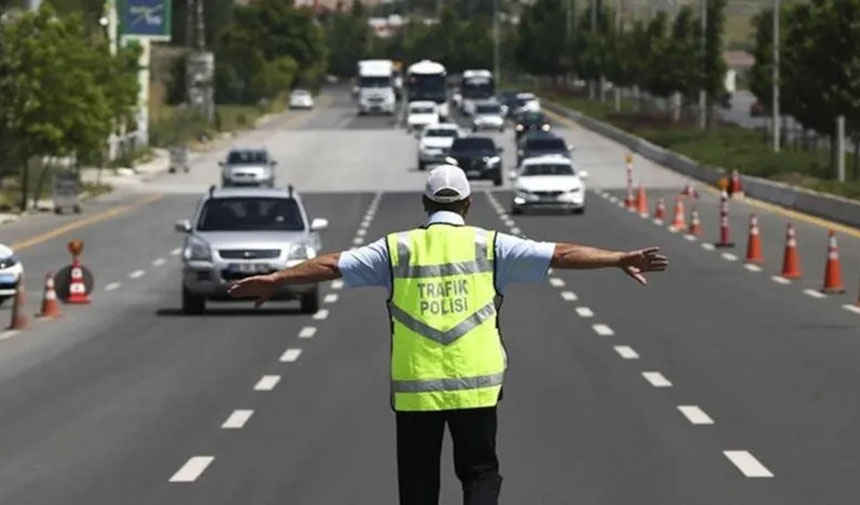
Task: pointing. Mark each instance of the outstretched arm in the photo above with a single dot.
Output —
(633, 263)
(262, 287)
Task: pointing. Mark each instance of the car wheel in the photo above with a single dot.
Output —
(497, 179)
(579, 211)
(516, 211)
(421, 165)
(310, 303)
(191, 303)
(501, 129)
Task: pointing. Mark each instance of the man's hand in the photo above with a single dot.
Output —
(259, 287)
(636, 263)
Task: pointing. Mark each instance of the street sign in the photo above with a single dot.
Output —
(148, 19)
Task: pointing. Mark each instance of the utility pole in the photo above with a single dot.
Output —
(592, 84)
(703, 96)
(496, 66)
(840, 148)
(619, 27)
(775, 78)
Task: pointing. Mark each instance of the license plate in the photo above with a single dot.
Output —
(249, 268)
(7, 278)
(473, 173)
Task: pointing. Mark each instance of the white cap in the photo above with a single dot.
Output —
(446, 184)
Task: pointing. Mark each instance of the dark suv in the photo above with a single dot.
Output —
(478, 157)
(530, 122)
(540, 144)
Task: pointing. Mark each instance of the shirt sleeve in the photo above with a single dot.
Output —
(521, 260)
(366, 266)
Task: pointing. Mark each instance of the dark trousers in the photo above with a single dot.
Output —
(419, 451)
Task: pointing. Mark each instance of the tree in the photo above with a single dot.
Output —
(349, 37)
(714, 65)
(540, 49)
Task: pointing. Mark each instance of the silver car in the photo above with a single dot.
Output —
(248, 167)
(239, 232)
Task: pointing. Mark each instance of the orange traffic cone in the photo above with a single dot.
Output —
(754, 254)
(18, 320)
(790, 260)
(642, 202)
(695, 224)
(50, 307)
(833, 270)
(678, 221)
(630, 200)
(690, 191)
(660, 210)
(736, 188)
(77, 288)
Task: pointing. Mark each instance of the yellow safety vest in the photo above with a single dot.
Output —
(446, 350)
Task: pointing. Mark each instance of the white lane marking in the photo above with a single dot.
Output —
(626, 352)
(584, 312)
(729, 257)
(267, 382)
(192, 469)
(137, 274)
(338, 284)
(8, 334)
(358, 241)
(690, 237)
(361, 232)
(237, 419)
(813, 293)
(708, 246)
(604, 195)
(569, 296)
(157, 262)
(290, 355)
(657, 380)
(752, 267)
(330, 298)
(603, 330)
(176, 251)
(613, 199)
(516, 231)
(748, 464)
(695, 415)
(658, 222)
(112, 286)
(780, 279)
(850, 307)
(307, 332)
(509, 223)
(556, 282)
(320, 314)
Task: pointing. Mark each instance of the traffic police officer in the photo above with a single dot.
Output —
(447, 358)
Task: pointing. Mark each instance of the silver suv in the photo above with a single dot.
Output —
(248, 167)
(239, 232)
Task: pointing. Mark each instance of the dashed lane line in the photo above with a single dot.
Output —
(192, 469)
(658, 222)
(137, 274)
(268, 382)
(307, 332)
(330, 298)
(814, 294)
(237, 419)
(708, 246)
(361, 232)
(584, 312)
(752, 267)
(851, 307)
(320, 314)
(657, 379)
(626, 352)
(516, 231)
(690, 237)
(358, 240)
(290, 355)
(157, 262)
(556, 282)
(695, 414)
(748, 464)
(729, 257)
(337, 284)
(603, 330)
(569, 296)
(176, 251)
(780, 279)
(113, 286)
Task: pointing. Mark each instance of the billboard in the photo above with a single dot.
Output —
(145, 18)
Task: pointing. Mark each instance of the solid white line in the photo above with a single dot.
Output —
(361, 232)
(192, 469)
(556, 282)
(267, 382)
(237, 419)
(602, 330)
(690, 237)
(112, 286)
(752, 267)
(307, 332)
(813, 293)
(569, 296)
(137, 274)
(748, 464)
(584, 312)
(708, 246)
(320, 314)
(657, 380)
(626, 352)
(729, 257)
(330, 298)
(176, 251)
(780, 279)
(337, 284)
(158, 262)
(695, 415)
(290, 355)
(358, 241)
(850, 307)
(516, 231)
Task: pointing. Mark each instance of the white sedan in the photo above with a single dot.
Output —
(421, 114)
(301, 99)
(435, 142)
(549, 182)
(10, 273)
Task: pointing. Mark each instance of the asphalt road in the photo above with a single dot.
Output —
(682, 392)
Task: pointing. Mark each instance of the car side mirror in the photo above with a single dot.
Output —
(512, 175)
(319, 224)
(183, 226)
(583, 174)
(220, 163)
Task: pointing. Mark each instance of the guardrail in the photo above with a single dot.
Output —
(804, 200)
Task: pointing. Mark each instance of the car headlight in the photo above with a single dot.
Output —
(525, 194)
(545, 127)
(9, 261)
(519, 127)
(197, 249)
(301, 252)
(491, 160)
(451, 161)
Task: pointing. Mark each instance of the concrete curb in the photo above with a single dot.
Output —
(804, 200)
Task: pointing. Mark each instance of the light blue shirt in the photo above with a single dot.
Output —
(517, 259)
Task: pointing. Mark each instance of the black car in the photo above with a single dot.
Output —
(478, 157)
(530, 122)
(508, 99)
(540, 144)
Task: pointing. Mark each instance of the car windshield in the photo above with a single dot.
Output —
(374, 82)
(300, 92)
(532, 118)
(246, 157)
(421, 109)
(524, 99)
(546, 145)
(474, 144)
(488, 109)
(251, 214)
(548, 169)
(441, 132)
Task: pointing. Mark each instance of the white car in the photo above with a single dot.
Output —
(552, 181)
(301, 99)
(488, 115)
(526, 102)
(421, 114)
(435, 142)
(10, 273)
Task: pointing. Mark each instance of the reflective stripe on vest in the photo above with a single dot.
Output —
(446, 350)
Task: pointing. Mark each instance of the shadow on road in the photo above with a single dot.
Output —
(215, 312)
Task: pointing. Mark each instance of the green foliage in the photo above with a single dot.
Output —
(349, 39)
(715, 66)
(541, 47)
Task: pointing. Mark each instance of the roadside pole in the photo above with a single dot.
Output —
(775, 78)
(840, 148)
(703, 98)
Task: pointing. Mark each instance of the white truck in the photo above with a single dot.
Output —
(375, 83)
